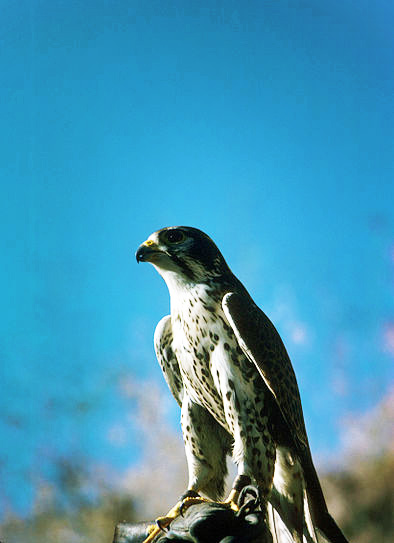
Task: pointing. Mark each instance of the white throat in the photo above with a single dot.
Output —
(182, 290)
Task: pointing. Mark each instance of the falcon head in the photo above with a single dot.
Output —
(184, 253)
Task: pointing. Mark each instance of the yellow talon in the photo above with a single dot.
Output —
(152, 528)
(165, 521)
(153, 531)
(187, 502)
(232, 500)
(178, 509)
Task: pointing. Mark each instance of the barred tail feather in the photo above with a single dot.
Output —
(281, 531)
(289, 513)
(290, 523)
(310, 534)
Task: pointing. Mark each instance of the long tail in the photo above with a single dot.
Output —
(289, 514)
(320, 516)
(282, 531)
(297, 512)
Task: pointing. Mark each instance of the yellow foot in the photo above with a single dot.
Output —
(163, 522)
(187, 502)
(153, 532)
(232, 500)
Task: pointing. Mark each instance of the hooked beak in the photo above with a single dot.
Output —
(146, 251)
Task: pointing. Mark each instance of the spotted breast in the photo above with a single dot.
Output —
(215, 372)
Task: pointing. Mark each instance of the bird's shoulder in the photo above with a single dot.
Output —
(163, 331)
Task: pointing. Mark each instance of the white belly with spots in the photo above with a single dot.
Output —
(218, 376)
(210, 360)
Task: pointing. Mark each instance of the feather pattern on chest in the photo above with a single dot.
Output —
(215, 372)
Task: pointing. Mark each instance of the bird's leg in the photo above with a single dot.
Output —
(190, 497)
(239, 483)
(206, 448)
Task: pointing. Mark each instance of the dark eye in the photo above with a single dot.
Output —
(175, 236)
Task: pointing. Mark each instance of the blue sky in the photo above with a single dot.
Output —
(267, 124)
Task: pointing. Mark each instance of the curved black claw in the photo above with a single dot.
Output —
(249, 500)
(183, 500)
(162, 527)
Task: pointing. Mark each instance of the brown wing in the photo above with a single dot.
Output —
(260, 341)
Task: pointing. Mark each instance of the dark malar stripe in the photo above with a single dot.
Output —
(183, 266)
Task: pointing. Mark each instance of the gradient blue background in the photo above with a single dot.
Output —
(267, 124)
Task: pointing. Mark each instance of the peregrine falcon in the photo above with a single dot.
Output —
(230, 373)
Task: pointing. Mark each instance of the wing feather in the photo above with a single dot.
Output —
(261, 343)
(167, 358)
